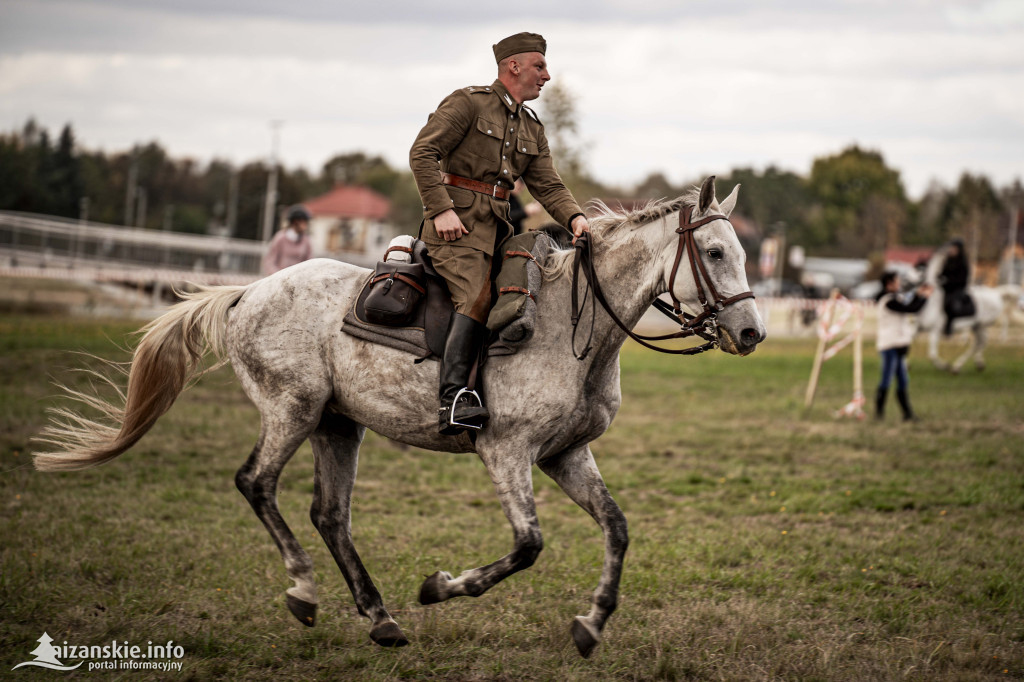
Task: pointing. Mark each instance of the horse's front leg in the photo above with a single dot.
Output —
(980, 341)
(576, 472)
(933, 349)
(515, 491)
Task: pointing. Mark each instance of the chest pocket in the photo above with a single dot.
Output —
(527, 146)
(490, 129)
(486, 144)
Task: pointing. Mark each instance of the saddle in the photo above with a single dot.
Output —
(425, 327)
(959, 304)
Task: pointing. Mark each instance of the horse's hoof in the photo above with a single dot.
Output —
(303, 610)
(433, 589)
(584, 637)
(388, 634)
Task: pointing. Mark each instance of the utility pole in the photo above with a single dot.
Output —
(83, 220)
(140, 217)
(270, 209)
(129, 197)
(1014, 217)
(232, 217)
(168, 224)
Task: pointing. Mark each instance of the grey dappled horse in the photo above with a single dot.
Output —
(310, 380)
(988, 307)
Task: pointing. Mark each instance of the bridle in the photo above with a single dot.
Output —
(704, 324)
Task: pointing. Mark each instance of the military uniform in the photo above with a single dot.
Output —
(483, 134)
(467, 159)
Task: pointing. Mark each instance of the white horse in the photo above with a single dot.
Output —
(309, 379)
(988, 307)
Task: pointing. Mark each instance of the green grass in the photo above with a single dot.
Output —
(766, 543)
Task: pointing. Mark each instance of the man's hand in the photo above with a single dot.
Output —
(925, 290)
(448, 226)
(579, 226)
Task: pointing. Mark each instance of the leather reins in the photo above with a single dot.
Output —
(704, 324)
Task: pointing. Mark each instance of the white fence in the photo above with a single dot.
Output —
(36, 242)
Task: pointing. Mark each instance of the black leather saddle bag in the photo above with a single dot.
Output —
(395, 291)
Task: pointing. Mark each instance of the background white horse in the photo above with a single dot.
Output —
(309, 379)
(988, 307)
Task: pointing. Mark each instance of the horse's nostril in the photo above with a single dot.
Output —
(751, 335)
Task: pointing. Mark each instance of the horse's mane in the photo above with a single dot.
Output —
(609, 226)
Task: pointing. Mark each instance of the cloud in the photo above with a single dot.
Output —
(933, 84)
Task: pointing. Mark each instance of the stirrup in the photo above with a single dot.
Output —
(455, 402)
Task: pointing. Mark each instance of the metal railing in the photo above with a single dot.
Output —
(29, 240)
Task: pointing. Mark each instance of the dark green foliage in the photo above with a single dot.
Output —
(851, 204)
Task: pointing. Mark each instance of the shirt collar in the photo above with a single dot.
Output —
(505, 97)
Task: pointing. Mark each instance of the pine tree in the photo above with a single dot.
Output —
(45, 652)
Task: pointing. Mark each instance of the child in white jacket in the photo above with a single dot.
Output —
(896, 330)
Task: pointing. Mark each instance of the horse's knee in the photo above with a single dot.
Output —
(326, 520)
(528, 548)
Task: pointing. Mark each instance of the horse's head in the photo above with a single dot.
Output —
(715, 283)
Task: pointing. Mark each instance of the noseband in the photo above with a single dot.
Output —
(704, 324)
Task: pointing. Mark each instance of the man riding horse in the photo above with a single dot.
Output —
(481, 139)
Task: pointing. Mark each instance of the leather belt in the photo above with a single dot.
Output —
(476, 186)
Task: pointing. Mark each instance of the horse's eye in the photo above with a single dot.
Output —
(715, 253)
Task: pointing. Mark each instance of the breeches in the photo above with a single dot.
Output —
(468, 274)
(894, 362)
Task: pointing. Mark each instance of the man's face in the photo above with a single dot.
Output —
(532, 74)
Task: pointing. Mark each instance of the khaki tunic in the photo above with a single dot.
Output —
(482, 133)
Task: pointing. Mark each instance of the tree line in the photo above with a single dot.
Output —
(850, 204)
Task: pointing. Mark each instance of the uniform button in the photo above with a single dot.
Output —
(503, 157)
(505, 171)
(506, 144)
(488, 132)
(511, 130)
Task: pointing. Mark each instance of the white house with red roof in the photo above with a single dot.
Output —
(351, 222)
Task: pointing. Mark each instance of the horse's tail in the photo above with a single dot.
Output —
(168, 356)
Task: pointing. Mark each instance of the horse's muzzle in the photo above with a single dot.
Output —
(745, 342)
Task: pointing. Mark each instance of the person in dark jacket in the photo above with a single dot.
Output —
(953, 278)
(896, 330)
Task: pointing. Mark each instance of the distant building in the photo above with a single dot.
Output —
(822, 274)
(350, 220)
(902, 258)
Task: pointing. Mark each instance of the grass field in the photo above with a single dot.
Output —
(767, 544)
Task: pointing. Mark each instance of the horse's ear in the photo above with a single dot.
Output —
(707, 194)
(729, 203)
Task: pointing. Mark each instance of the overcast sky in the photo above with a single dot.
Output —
(684, 88)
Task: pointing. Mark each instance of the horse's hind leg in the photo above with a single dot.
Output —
(257, 481)
(515, 491)
(576, 473)
(336, 451)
